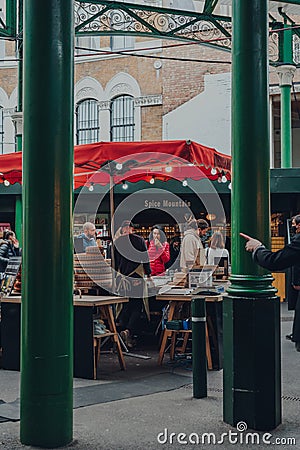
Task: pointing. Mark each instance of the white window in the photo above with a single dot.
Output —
(86, 45)
(87, 122)
(122, 118)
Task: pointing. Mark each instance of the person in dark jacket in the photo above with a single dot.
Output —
(132, 263)
(287, 257)
(9, 247)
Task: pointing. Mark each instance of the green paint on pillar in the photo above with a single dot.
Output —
(47, 283)
(251, 367)
(286, 127)
(18, 219)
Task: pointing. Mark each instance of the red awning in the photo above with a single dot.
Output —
(133, 161)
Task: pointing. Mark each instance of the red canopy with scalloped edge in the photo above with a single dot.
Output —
(133, 161)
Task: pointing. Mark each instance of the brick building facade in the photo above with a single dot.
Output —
(184, 97)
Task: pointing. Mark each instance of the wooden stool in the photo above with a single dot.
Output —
(186, 335)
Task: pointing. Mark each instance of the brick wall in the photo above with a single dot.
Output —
(183, 80)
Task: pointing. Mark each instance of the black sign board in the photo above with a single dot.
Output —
(222, 269)
(10, 275)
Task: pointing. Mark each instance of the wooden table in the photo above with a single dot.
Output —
(174, 300)
(86, 344)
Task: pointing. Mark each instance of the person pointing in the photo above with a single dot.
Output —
(289, 256)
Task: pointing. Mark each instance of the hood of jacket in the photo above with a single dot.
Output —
(191, 232)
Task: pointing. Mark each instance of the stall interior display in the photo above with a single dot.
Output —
(100, 220)
(11, 282)
(4, 226)
(277, 221)
(144, 231)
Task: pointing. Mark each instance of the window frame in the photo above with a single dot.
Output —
(88, 132)
(122, 122)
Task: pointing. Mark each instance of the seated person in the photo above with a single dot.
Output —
(88, 236)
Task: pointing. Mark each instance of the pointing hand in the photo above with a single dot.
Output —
(252, 243)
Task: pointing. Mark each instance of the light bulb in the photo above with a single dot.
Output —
(125, 185)
(229, 186)
(91, 188)
(213, 171)
(224, 179)
(168, 168)
(184, 183)
(119, 166)
(6, 183)
(152, 181)
(219, 180)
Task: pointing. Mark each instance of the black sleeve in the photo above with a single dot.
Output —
(145, 260)
(282, 259)
(4, 253)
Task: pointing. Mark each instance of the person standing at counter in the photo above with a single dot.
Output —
(131, 263)
(9, 247)
(158, 250)
(191, 244)
(88, 235)
(216, 249)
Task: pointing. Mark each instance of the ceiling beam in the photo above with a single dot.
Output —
(210, 6)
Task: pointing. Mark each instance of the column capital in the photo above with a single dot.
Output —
(286, 74)
(17, 118)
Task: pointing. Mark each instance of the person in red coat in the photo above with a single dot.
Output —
(158, 250)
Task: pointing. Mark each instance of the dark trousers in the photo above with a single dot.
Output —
(130, 316)
(296, 322)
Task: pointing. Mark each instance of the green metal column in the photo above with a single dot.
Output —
(286, 73)
(20, 73)
(18, 219)
(286, 126)
(251, 310)
(19, 209)
(47, 283)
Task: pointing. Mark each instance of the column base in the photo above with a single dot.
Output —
(252, 365)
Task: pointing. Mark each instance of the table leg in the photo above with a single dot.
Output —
(113, 329)
(208, 352)
(166, 334)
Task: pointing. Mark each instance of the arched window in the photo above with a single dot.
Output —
(122, 119)
(87, 122)
(1, 131)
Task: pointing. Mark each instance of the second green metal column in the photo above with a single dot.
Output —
(47, 277)
(251, 311)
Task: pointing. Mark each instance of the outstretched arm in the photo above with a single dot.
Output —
(280, 260)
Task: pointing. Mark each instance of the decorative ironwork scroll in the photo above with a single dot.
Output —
(8, 19)
(108, 17)
(273, 47)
